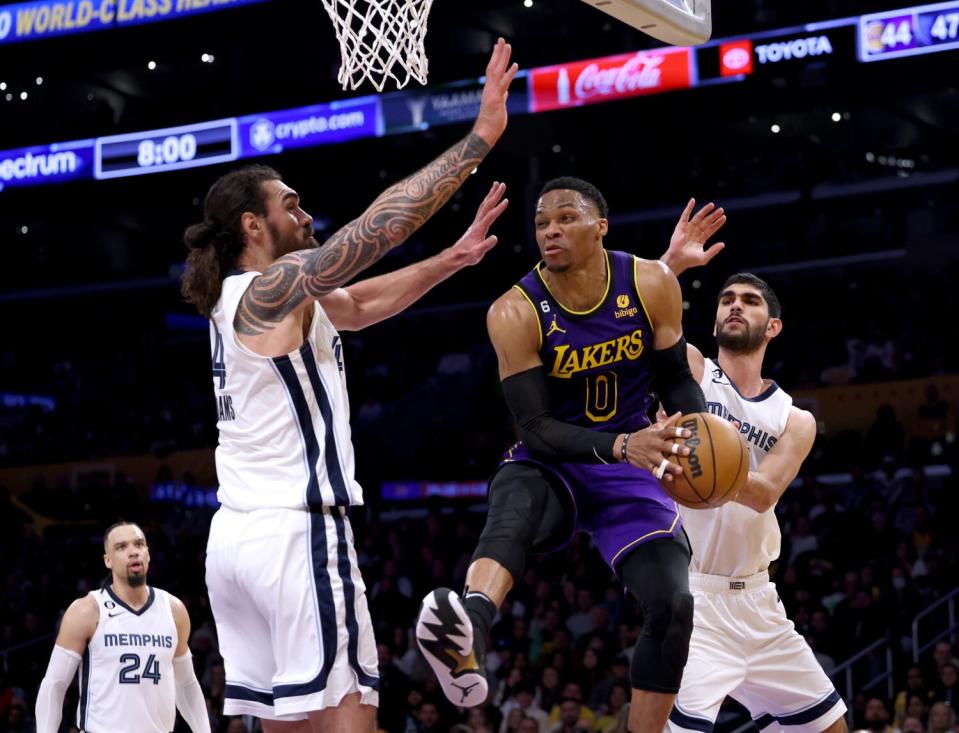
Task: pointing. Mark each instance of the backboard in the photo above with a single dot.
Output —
(677, 22)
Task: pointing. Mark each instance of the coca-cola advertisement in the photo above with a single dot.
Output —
(611, 77)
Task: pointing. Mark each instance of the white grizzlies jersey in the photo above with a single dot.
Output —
(284, 421)
(734, 540)
(126, 676)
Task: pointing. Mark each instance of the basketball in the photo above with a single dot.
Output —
(717, 466)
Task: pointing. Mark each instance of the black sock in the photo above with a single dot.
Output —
(481, 611)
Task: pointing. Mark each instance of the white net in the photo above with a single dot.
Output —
(380, 40)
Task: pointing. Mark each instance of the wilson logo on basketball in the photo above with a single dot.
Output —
(693, 442)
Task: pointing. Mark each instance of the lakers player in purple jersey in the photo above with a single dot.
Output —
(587, 343)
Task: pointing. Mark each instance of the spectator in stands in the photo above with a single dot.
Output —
(394, 689)
(802, 540)
(876, 716)
(942, 655)
(885, 437)
(570, 718)
(616, 700)
(942, 718)
(512, 721)
(915, 685)
(428, 718)
(579, 623)
(477, 719)
(912, 725)
(947, 690)
(523, 699)
(17, 718)
(572, 691)
(549, 689)
(529, 725)
(917, 707)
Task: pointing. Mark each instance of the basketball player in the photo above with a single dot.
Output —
(583, 341)
(743, 645)
(287, 597)
(132, 641)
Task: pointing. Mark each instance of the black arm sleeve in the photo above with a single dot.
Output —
(678, 390)
(546, 437)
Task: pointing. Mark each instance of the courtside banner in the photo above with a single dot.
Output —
(46, 164)
(608, 78)
(49, 18)
(322, 124)
(419, 109)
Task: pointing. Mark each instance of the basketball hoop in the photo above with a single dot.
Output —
(677, 22)
(380, 40)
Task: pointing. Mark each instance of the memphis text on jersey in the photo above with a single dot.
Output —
(759, 438)
(163, 641)
(568, 362)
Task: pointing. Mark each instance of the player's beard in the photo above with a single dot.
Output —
(285, 244)
(745, 342)
(136, 580)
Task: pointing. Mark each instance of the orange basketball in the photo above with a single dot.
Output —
(717, 467)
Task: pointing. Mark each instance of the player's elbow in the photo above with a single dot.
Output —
(758, 494)
(764, 503)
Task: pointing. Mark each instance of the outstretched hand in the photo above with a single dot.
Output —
(687, 246)
(491, 120)
(476, 240)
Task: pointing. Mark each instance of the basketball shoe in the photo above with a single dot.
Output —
(444, 634)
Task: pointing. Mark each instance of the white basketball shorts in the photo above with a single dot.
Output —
(744, 646)
(290, 611)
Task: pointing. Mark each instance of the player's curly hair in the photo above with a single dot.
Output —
(216, 243)
(587, 189)
(769, 295)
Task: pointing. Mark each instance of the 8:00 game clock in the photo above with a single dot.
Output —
(165, 150)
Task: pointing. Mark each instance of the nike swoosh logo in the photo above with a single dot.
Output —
(111, 615)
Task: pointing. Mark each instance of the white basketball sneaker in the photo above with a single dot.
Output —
(444, 634)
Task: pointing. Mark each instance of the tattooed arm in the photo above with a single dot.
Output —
(375, 299)
(298, 279)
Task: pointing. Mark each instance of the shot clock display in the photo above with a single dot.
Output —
(170, 149)
(908, 32)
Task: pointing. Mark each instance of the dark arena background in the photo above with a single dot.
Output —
(829, 131)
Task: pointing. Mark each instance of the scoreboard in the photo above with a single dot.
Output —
(757, 58)
(909, 32)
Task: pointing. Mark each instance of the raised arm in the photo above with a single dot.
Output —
(298, 279)
(781, 465)
(377, 298)
(678, 390)
(187, 693)
(687, 246)
(78, 625)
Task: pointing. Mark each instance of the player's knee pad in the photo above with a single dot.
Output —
(516, 498)
(663, 647)
(680, 629)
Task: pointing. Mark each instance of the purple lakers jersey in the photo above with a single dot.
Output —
(597, 361)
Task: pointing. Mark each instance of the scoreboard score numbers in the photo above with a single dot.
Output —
(909, 32)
